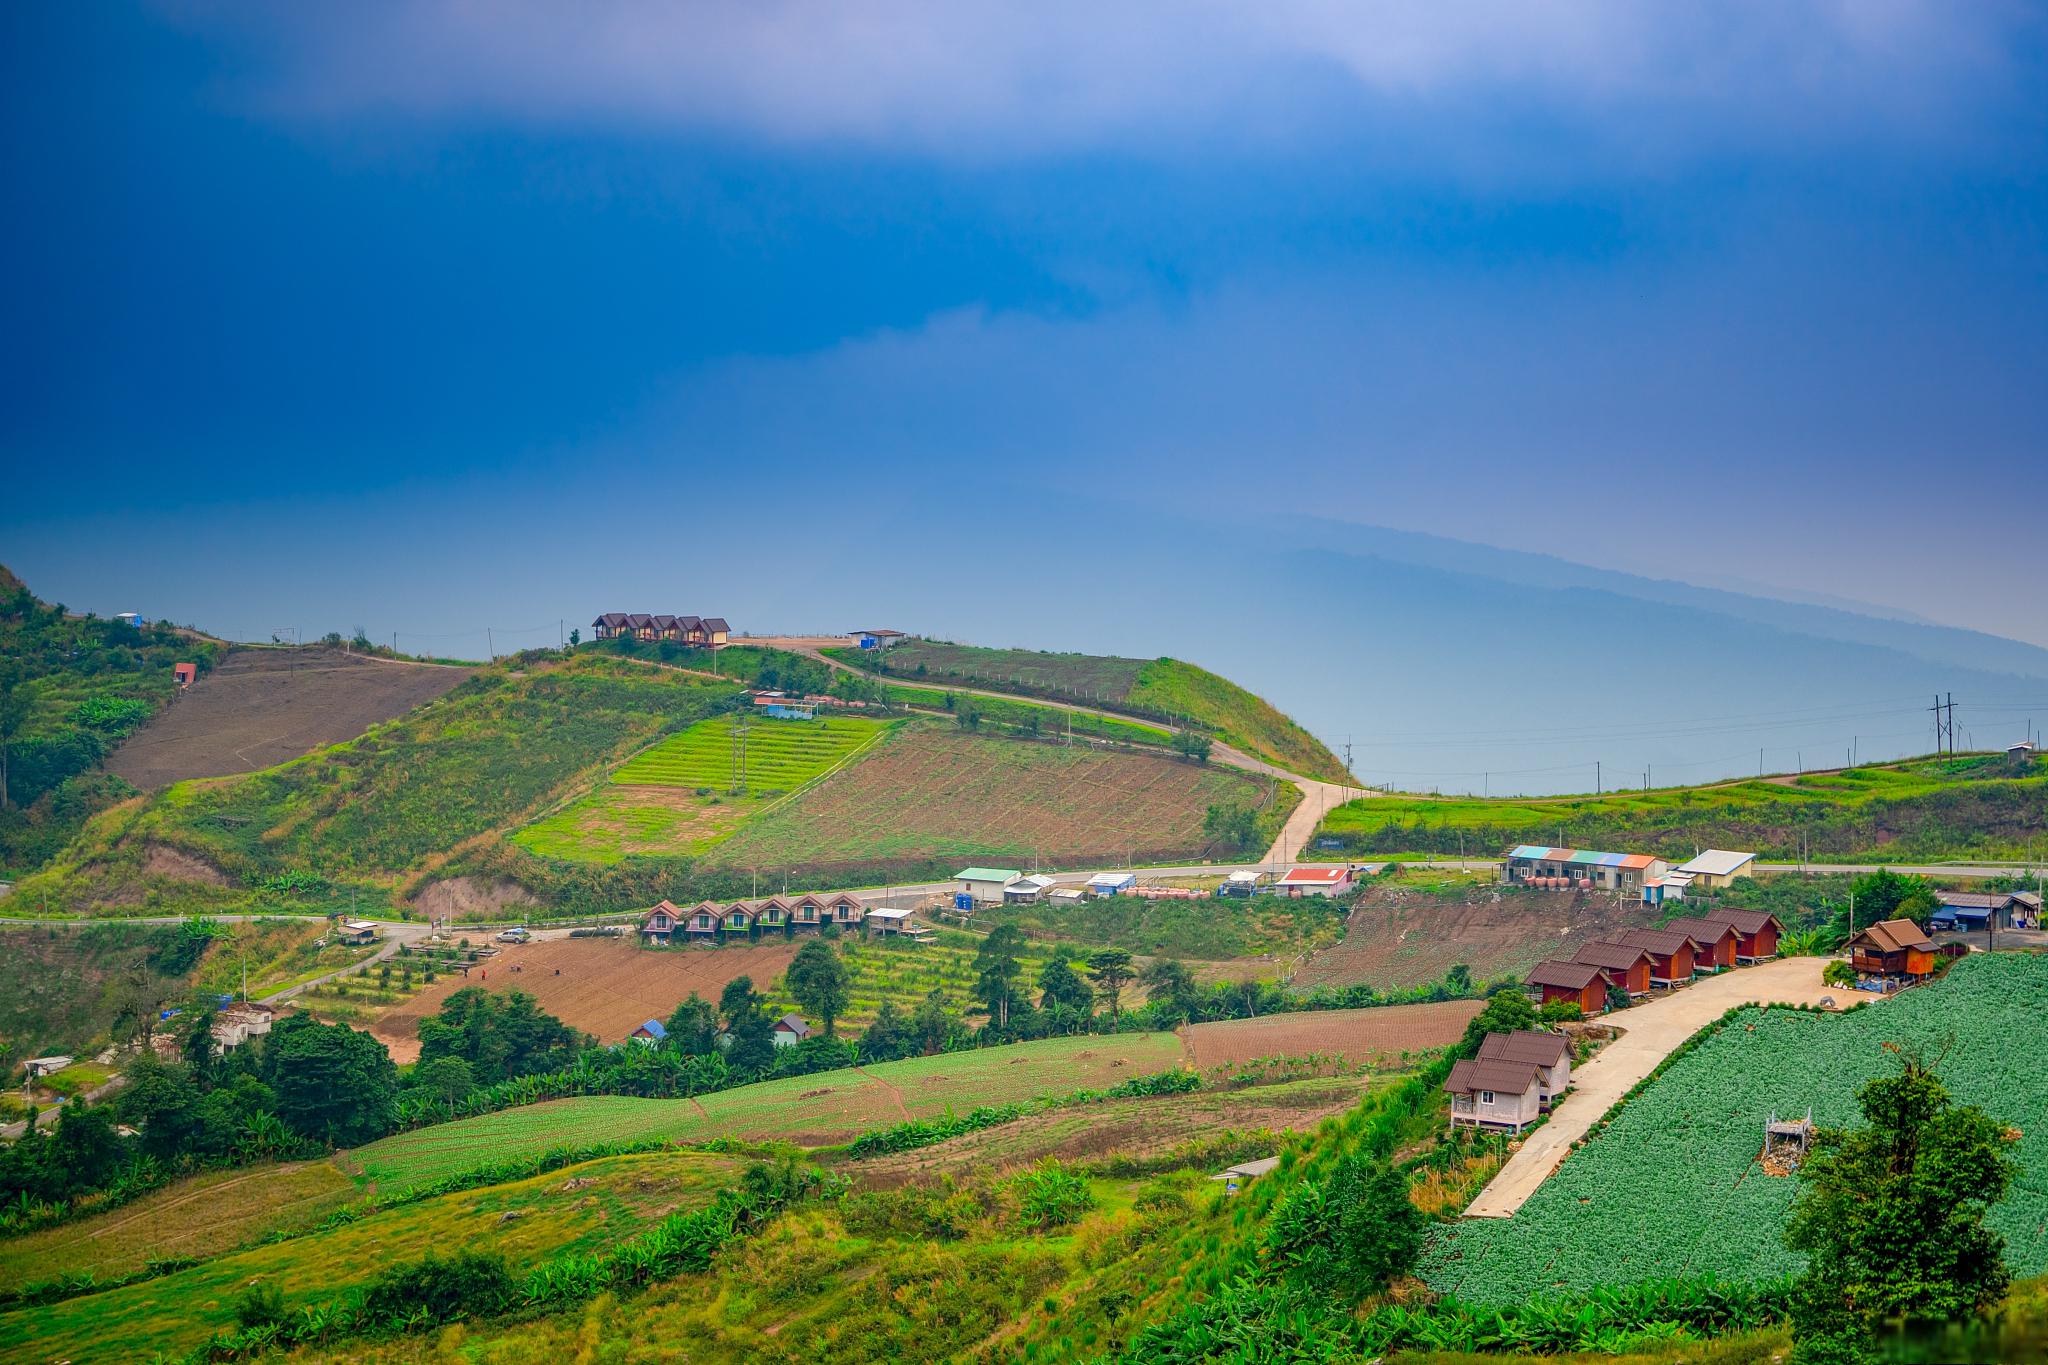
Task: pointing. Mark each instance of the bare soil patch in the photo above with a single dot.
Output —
(1361, 1035)
(178, 865)
(467, 898)
(263, 706)
(602, 986)
(1398, 937)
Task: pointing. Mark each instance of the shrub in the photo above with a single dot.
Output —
(261, 1305)
(1051, 1196)
(431, 1290)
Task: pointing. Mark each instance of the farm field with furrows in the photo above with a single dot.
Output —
(930, 792)
(1082, 675)
(1673, 1185)
(1382, 1033)
(1972, 805)
(904, 973)
(684, 794)
(818, 1109)
(1127, 1128)
(207, 1215)
(1401, 935)
(525, 1221)
(1210, 929)
(606, 987)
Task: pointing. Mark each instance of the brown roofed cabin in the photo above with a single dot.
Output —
(1671, 954)
(1501, 1095)
(1550, 1053)
(1893, 948)
(1624, 966)
(1580, 983)
(1756, 933)
(1714, 942)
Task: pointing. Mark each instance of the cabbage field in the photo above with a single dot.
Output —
(1673, 1187)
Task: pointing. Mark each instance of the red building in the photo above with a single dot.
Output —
(1756, 933)
(1625, 967)
(1714, 942)
(1580, 983)
(1671, 954)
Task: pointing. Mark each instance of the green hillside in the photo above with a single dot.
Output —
(1153, 689)
(71, 688)
(1982, 805)
(377, 810)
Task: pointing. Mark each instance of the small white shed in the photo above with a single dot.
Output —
(988, 884)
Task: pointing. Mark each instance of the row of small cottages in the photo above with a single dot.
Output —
(707, 922)
(710, 631)
(1515, 1078)
(1663, 958)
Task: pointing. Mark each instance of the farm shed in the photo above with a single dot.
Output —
(1718, 867)
(1028, 890)
(1580, 983)
(1625, 966)
(1672, 886)
(1892, 949)
(660, 922)
(238, 1023)
(1067, 896)
(1498, 1094)
(877, 638)
(1540, 865)
(1550, 1053)
(1671, 954)
(986, 885)
(790, 1030)
(1980, 910)
(1244, 882)
(650, 1033)
(1756, 933)
(1111, 883)
(185, 674)
(1314, 881)
(355, 931)
(1714, 942)
(39, 1067)
(883, 922)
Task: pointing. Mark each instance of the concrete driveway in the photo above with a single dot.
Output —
(1650, 1032)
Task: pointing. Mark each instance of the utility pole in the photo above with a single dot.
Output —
(1936, 708)
(490, 645)
(1596, 778)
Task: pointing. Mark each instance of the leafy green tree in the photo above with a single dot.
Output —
(575, 638)
(1230, 828)
(333, 1084)
(1111, 970)
(1060, 985)
(736, 999)
(1885, 894)
(997, 965)
(500, 1036)
(1838, 974)
(1348, 1235)
(1891, 1217)
(750, 1037)
(967, 713)
(931, 1024)
(1561, 1011)
(1192, 744)
(817, 978)
(693, 1027)
(447, 1078)
(14, 707)
(1171, 989)
(195, 1041)
(887, 1036)
(1508, 1012)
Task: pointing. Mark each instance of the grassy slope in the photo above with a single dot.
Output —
(932, 798)
(525, 1221)
(1980, 806)
(821, 1107)
(61, 662)
(1198, 930)
(1695, 1132)
(1150, 688)
(392, 803)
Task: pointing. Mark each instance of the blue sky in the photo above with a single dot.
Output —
(415, 316)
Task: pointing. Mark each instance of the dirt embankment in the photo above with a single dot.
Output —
(472, 898)
(1397, 937)
(263, 706)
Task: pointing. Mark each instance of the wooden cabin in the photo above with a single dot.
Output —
(1671, 955)
(845, 909)
(702, 924)
(659, 923)
(773, 914)
(737, 918)
(1581, 983)
(1894, 949)
(1756, 933)
(1626, 967)
(1550, 1053)
(1714, 942)
(1497, 1094)
(808, 913)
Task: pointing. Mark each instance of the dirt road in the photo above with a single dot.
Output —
(1651, 1031)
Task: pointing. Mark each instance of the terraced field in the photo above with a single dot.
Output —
(778, 755)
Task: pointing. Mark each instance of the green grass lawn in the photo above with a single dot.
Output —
(1985, 806)
(778, 754)
(828, 1107)
(526, 1222)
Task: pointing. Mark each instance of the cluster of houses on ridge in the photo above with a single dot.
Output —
(708, 632)
(1641, 960)
(1644, 875)
(710, 922)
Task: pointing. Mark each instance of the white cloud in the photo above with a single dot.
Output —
(981, 80)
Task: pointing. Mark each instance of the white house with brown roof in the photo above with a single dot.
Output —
(1495, 1093)
(1550, 1053)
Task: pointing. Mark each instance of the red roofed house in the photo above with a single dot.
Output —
(1671, 954)
(1314, 881)
(1551, 1053)
(702, 923)
(1714, 942)
(1756, 933)
(1487, 1093)
(1626, 967)
(1581, 983)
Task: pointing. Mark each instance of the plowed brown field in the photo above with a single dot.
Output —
(1361, 1035)
(1403, 937)
(602, 986)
